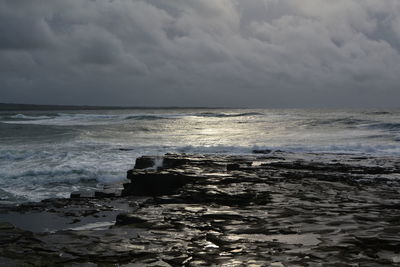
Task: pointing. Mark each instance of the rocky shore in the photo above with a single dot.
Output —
(266, 209)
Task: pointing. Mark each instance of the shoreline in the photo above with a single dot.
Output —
(272, 208)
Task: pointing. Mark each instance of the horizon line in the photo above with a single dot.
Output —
(43, 107)
(25, 106)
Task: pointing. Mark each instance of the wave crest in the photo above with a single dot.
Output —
(27, 117)
(228, 115)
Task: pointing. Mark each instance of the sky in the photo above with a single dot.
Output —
(232, 53)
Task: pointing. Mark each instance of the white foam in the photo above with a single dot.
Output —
(27, 117)
(100, 119)
(52, 164)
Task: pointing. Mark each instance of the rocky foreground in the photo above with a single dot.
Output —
(266, 209)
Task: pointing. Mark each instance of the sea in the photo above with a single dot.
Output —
(47, 154)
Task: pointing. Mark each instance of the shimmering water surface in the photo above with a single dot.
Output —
(50, 154)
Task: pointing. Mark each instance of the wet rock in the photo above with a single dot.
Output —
(128, 219)
(107, 193)
(233, 167)
(6, 226)
(10, 262)
(174, 162)
(154, 184)
(144, 162)
(75, 195)
(82, 194)
(280, 209)
(9, 233)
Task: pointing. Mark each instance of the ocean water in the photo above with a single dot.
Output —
(52, 153)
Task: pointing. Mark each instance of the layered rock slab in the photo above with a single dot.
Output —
(275, 209)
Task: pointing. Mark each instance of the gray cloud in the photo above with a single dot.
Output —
(264, 53)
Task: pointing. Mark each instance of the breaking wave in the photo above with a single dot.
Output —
(98, 119)
(52, 154)
(227, 115)
(27, 117)
(145, 117)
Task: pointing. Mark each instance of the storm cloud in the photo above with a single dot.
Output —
(256, 53)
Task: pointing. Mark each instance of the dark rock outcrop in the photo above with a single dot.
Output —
(128, 219)
(233, 167)
(154, 183)
(172, 161)
(144, 162)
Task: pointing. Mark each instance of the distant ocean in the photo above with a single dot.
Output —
(47, 154)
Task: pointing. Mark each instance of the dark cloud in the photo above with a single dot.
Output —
(266, 53)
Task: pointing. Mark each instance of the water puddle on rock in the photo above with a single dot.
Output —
(50, 222)
(93, 226)
(291, 239)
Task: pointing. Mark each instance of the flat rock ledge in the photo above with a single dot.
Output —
(265, 209)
